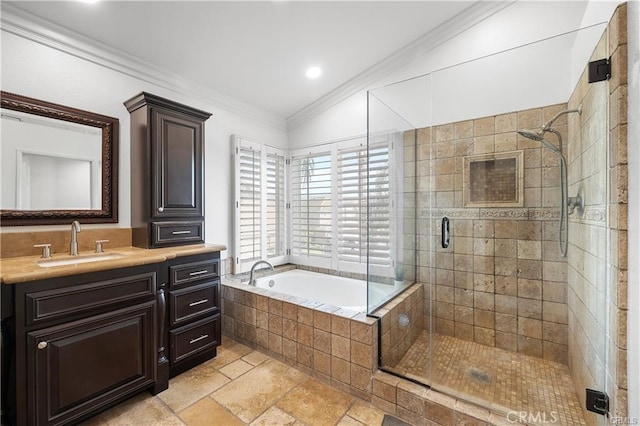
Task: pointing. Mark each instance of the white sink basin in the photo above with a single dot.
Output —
(79, 259)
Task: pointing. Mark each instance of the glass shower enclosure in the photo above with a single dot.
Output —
(479, 302)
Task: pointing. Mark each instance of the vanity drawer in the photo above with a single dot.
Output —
(196, 337)
(173, 233)
(86, 298)
(180, 275)
(193, 301)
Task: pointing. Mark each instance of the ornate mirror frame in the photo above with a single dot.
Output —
(110, 139)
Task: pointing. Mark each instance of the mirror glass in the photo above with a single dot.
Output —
(49, 164)
(57, 163)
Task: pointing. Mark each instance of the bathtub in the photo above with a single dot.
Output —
(346, 293)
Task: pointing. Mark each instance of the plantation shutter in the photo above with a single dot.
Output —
(352, 205)
(311, 205)
(379, 206)
(275, 205)
(354, 180)
(249, 198)
(260, 228)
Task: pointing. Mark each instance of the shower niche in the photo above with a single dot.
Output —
(493, 180)
(498, 316)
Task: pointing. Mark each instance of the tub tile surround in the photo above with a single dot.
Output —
(337, 346)
(401, 322)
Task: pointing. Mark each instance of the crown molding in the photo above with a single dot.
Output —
(471, 16)
(36, 29)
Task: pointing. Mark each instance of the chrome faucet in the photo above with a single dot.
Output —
(251, 280)
(75, 228)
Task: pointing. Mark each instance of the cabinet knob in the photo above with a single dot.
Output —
(42, 345)
(160, 209)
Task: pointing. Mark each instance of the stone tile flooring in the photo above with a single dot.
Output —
(239, 387)
(493, 377)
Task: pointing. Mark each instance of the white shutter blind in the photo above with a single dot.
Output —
(275, 205)
(249, 203)
(354, 180)
(379, 205)
(311, 204)
(352, 204)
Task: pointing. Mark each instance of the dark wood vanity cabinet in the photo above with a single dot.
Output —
(194, 320)
(75, 345)
(81, 343)
(167, 142)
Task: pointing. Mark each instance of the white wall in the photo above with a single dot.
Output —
(518, 24)
(34, 70)
(633, 135)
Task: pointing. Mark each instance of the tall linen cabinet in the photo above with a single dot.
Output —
(167, 142)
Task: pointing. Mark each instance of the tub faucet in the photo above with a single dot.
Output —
(75, 228)
(251, 280)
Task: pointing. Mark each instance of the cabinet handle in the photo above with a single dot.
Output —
(193, 274)
(42, 345)
(180, 232)
(199, 302)
(204, 336)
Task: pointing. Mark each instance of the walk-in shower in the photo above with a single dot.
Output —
(567, 205)
(513, 318)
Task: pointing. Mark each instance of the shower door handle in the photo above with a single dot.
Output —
(445, 232)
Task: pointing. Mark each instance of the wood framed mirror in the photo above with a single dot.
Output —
(58, 164)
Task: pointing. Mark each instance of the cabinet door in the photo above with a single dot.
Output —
(176, 148)
(80, 367)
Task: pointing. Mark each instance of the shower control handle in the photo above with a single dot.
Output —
(445, 232)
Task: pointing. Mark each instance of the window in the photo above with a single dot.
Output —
(329, 214)
(260, 204)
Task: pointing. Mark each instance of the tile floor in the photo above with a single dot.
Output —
(493, 377)
(242, 387)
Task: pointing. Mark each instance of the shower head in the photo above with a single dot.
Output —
(533, 135)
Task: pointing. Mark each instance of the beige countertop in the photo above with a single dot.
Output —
(22, 269)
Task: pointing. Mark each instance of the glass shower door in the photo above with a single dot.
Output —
(507, 321)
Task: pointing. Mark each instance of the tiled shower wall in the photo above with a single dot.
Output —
(597, 159)
(502, 281)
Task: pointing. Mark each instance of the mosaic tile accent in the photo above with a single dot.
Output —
(492, 377)
(493, 180)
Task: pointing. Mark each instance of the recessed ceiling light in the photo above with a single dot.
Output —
(89, 1)
(313, 72)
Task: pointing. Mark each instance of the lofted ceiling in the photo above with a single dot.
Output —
(256, 52)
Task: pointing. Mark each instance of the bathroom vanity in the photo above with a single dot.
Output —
(81, 337)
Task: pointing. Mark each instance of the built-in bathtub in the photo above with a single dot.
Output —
(346, 293)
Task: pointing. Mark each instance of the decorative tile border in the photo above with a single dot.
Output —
(596, 215)
(527, 213)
